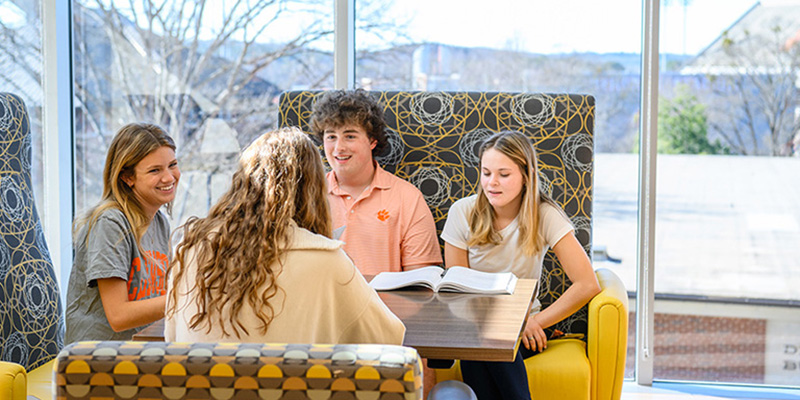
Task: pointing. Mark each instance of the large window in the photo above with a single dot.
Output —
(727, 219)
(21, 64)
(728, 216)
(728, 169)
(209, 74)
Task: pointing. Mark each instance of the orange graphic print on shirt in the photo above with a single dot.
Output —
(147, 281)
(383, 215)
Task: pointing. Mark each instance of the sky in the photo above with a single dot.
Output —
(539, 26)
(569, 25)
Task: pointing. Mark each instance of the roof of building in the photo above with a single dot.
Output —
(759, 39)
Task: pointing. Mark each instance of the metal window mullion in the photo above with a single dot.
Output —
(645, 281)
(57, 135)
(344, 52)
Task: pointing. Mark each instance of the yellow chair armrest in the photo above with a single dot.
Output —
(40, 381)
(607, 336)
(13, 381)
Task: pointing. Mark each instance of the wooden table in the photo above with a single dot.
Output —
(462, 326)
(447, 325)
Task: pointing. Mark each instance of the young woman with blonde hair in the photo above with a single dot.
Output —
(261, 267)
(122, 244)
(508, 226)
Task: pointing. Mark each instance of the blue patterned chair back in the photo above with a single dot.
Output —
(434, 141)
(31, 319)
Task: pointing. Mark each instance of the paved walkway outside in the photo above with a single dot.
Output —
(726, 225)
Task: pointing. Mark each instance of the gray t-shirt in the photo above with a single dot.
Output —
(111, 252)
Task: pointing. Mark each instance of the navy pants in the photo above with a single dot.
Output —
(498, 380)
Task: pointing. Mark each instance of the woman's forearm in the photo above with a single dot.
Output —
(123, 314)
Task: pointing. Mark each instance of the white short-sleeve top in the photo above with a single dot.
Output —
(507, 256)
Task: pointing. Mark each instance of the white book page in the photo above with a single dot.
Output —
(425, 276)
(468, 280)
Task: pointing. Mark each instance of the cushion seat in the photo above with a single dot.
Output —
(172, 370)
(561, 371)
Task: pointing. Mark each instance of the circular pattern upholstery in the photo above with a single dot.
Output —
(435, 138)
(31, 320)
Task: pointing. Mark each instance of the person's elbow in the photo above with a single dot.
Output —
(591, 288)
(118, 322)
(596, 288)
(585, 288)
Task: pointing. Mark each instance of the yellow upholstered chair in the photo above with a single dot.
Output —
(40, 381)
(18, 384)
(434, 139)
(12, 381)
(574, 369)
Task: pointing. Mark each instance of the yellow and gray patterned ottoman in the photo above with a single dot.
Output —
(157, 370)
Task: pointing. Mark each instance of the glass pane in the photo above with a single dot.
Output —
(21, 74)
(209, 72)
(534, 47)
(728, 216)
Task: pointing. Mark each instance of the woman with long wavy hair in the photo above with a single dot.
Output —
(261, 267)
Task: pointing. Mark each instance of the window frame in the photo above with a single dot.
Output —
(58, 147)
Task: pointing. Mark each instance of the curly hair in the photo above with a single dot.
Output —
(350, 107)
(239, 246)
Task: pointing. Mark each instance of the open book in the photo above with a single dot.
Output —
(455, 279)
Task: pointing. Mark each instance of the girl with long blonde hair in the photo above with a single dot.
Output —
(121, 245)
(262, 267)
(508, 227)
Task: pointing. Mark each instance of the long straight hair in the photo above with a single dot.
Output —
(238, 245)
(131, 144)
(519, 149)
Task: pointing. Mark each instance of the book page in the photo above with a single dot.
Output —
(462, 279)
(425, 276)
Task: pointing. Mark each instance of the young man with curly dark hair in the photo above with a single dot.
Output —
(387, 226)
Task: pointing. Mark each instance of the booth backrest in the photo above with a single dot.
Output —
(434, 139)
(31, 318)
(159, 370)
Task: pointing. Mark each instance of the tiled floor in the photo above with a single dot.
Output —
(678, 391)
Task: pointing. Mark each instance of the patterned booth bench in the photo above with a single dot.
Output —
(158, 370)
(434, 139)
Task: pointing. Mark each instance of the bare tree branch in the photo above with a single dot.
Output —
(760, 94)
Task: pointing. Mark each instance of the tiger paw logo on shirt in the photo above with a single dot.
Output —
(383, 215)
